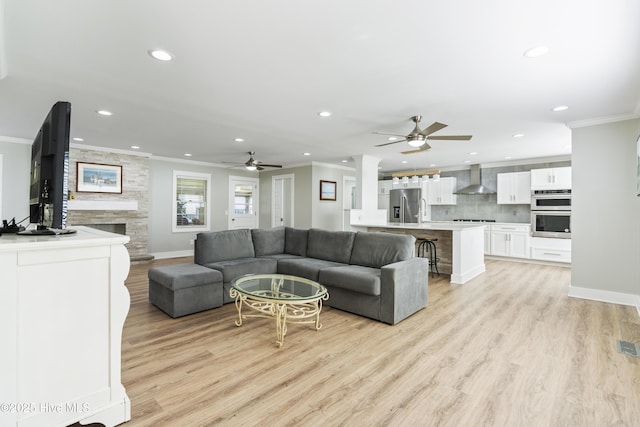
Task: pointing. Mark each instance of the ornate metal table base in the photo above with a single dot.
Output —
(285, 308)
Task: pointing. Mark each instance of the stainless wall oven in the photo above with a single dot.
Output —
(551, 213)
(551, 200)
(551, 224)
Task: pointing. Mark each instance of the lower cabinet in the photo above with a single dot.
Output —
(550, 249)
(510, 240)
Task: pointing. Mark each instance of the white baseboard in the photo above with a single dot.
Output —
(459, 279)
(172, 254)
(605, 296)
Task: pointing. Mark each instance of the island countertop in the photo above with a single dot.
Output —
(428, 225)
(460, 245)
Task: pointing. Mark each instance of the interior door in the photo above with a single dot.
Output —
(282, 207)
(243, 202)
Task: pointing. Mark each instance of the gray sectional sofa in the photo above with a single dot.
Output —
(370, 274)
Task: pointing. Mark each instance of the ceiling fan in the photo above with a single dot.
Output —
(253, 164)
(418, 138)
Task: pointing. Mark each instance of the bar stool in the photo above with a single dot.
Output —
(427, 249)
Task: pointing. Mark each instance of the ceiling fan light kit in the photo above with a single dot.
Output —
(252, 164)
(418, 138)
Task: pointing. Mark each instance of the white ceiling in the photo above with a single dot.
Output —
(262, 70)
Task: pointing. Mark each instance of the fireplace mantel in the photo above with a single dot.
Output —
(102, 205)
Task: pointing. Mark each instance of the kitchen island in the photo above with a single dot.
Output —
(460, 246)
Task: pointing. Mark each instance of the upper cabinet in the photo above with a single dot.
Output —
(514, 188)
(551, 179)
(384, 186)
(441, 192)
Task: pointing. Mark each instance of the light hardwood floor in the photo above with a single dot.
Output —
(506, 349)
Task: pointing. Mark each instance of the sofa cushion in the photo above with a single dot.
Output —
(373, 249)
(268, 242)
(295, 241)
(304, 267)
(356, 278)
(223, 245)
(183, 276)
(233, 268)
(330, 245)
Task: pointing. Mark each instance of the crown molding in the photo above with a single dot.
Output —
(14, 140)
(602, 120)
(108, 150)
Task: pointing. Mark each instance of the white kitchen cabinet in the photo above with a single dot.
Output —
(514, 188)
(510, 240)
(551, 178)
(487, 240)
(551, 249)
(441, 192)
(384, 186)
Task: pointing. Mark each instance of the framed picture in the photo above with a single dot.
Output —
(98, 178)
(327, 190)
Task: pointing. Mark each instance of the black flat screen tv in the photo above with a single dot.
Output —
(49, 183)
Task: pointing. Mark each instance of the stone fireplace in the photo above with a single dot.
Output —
(125, 213)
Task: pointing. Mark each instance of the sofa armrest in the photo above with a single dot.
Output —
(403, 289)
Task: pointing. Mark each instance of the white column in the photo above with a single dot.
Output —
(367, 211)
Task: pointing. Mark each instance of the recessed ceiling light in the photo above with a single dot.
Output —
(518, 135)
(560, 108)
(104, 112)
(392, 138)
(432, 165)
(161, 55)
(78, 139)
(239, 139)
(187, 154)
(535, 52)
(473, 153)
(467, 161)
(508, 157)
(306, 154)
(135, 147)
(344, 161)
(324, 113)
(405, 161)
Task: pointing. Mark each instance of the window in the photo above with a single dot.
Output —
(243, 199)
(191, 194)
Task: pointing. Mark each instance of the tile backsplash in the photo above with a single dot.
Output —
(486, 207)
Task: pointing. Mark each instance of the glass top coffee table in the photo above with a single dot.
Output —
(286, 298)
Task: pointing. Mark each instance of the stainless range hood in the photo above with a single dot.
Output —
(476, 187)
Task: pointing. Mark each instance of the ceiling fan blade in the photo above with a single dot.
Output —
(389, 143)
(434, 127)
(425, 147)
(260, 164)
(451, 137)
(390, 134)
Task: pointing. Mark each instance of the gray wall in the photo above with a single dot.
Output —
(606, 210)
(309, 210)
(16, 160)
(302, 211)
(487, 207)
(327, 214)
(161, 236)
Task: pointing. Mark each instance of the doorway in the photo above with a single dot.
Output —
(243, 202)
(282, 206)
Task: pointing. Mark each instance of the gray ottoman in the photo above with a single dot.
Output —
(184, 289)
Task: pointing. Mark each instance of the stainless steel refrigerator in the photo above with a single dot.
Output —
(404, 205)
